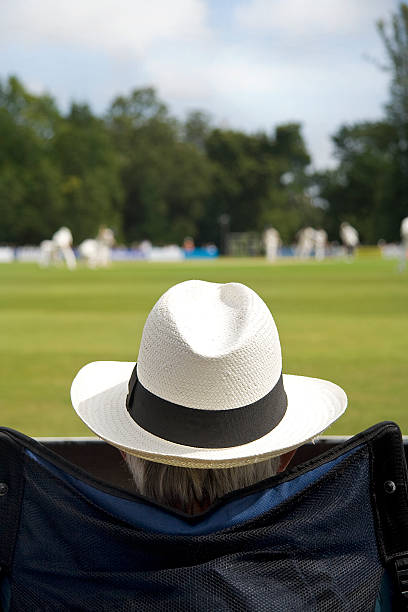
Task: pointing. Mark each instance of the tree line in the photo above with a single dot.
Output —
(142, 172)
(369, 185)
(151, 176)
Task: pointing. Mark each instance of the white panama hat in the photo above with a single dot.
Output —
(207, 389)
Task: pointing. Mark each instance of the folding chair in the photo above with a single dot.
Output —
(328, 535)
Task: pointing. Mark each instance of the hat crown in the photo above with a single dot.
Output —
(210, 346)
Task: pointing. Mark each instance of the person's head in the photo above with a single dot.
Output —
(192, 490)
(206, 408)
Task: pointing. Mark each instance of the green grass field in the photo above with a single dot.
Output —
(344, 322)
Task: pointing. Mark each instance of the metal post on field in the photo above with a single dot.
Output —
(224, 221)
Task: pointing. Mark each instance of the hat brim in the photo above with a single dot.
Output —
(99, 391)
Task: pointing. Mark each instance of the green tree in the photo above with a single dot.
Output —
(165, 180)
(90, 173)
(369, 188)
(249, 181)
(395, 38)
(30, 197)
(291, 148)
(360, 190)
(54, 170)
(197, 128)
(394, 35)
(37, 113)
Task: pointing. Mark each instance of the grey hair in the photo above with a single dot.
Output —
(191, 489)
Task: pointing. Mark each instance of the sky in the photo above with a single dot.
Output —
(250, 64)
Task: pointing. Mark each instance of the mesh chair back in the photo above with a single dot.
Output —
(319, 537)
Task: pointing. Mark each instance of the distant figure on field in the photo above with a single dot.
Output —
(188, 244)
(63, 241)
(320, 243)
(59, 247)
(305, 242)
(48, 253)
(145, 247)
(272, 242)
(349, 237)
(97, 251)
(88, 251)
(404, 244)
(105, 240)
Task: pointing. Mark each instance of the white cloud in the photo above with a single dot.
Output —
(243, 92)
(118, 27)
(229, 74)
(36, 87)
(275, 61)
(306, 19)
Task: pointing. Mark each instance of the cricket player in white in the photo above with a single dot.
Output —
(97, 252)
(320, 242)
(349, 237)
(272, 243)
(305, 244)
(105, 240)
(63, 241)
(404, 244)
(48, 253)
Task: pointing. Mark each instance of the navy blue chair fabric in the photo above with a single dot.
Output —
(328, 535)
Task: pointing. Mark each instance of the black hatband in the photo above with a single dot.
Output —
(205, 428)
